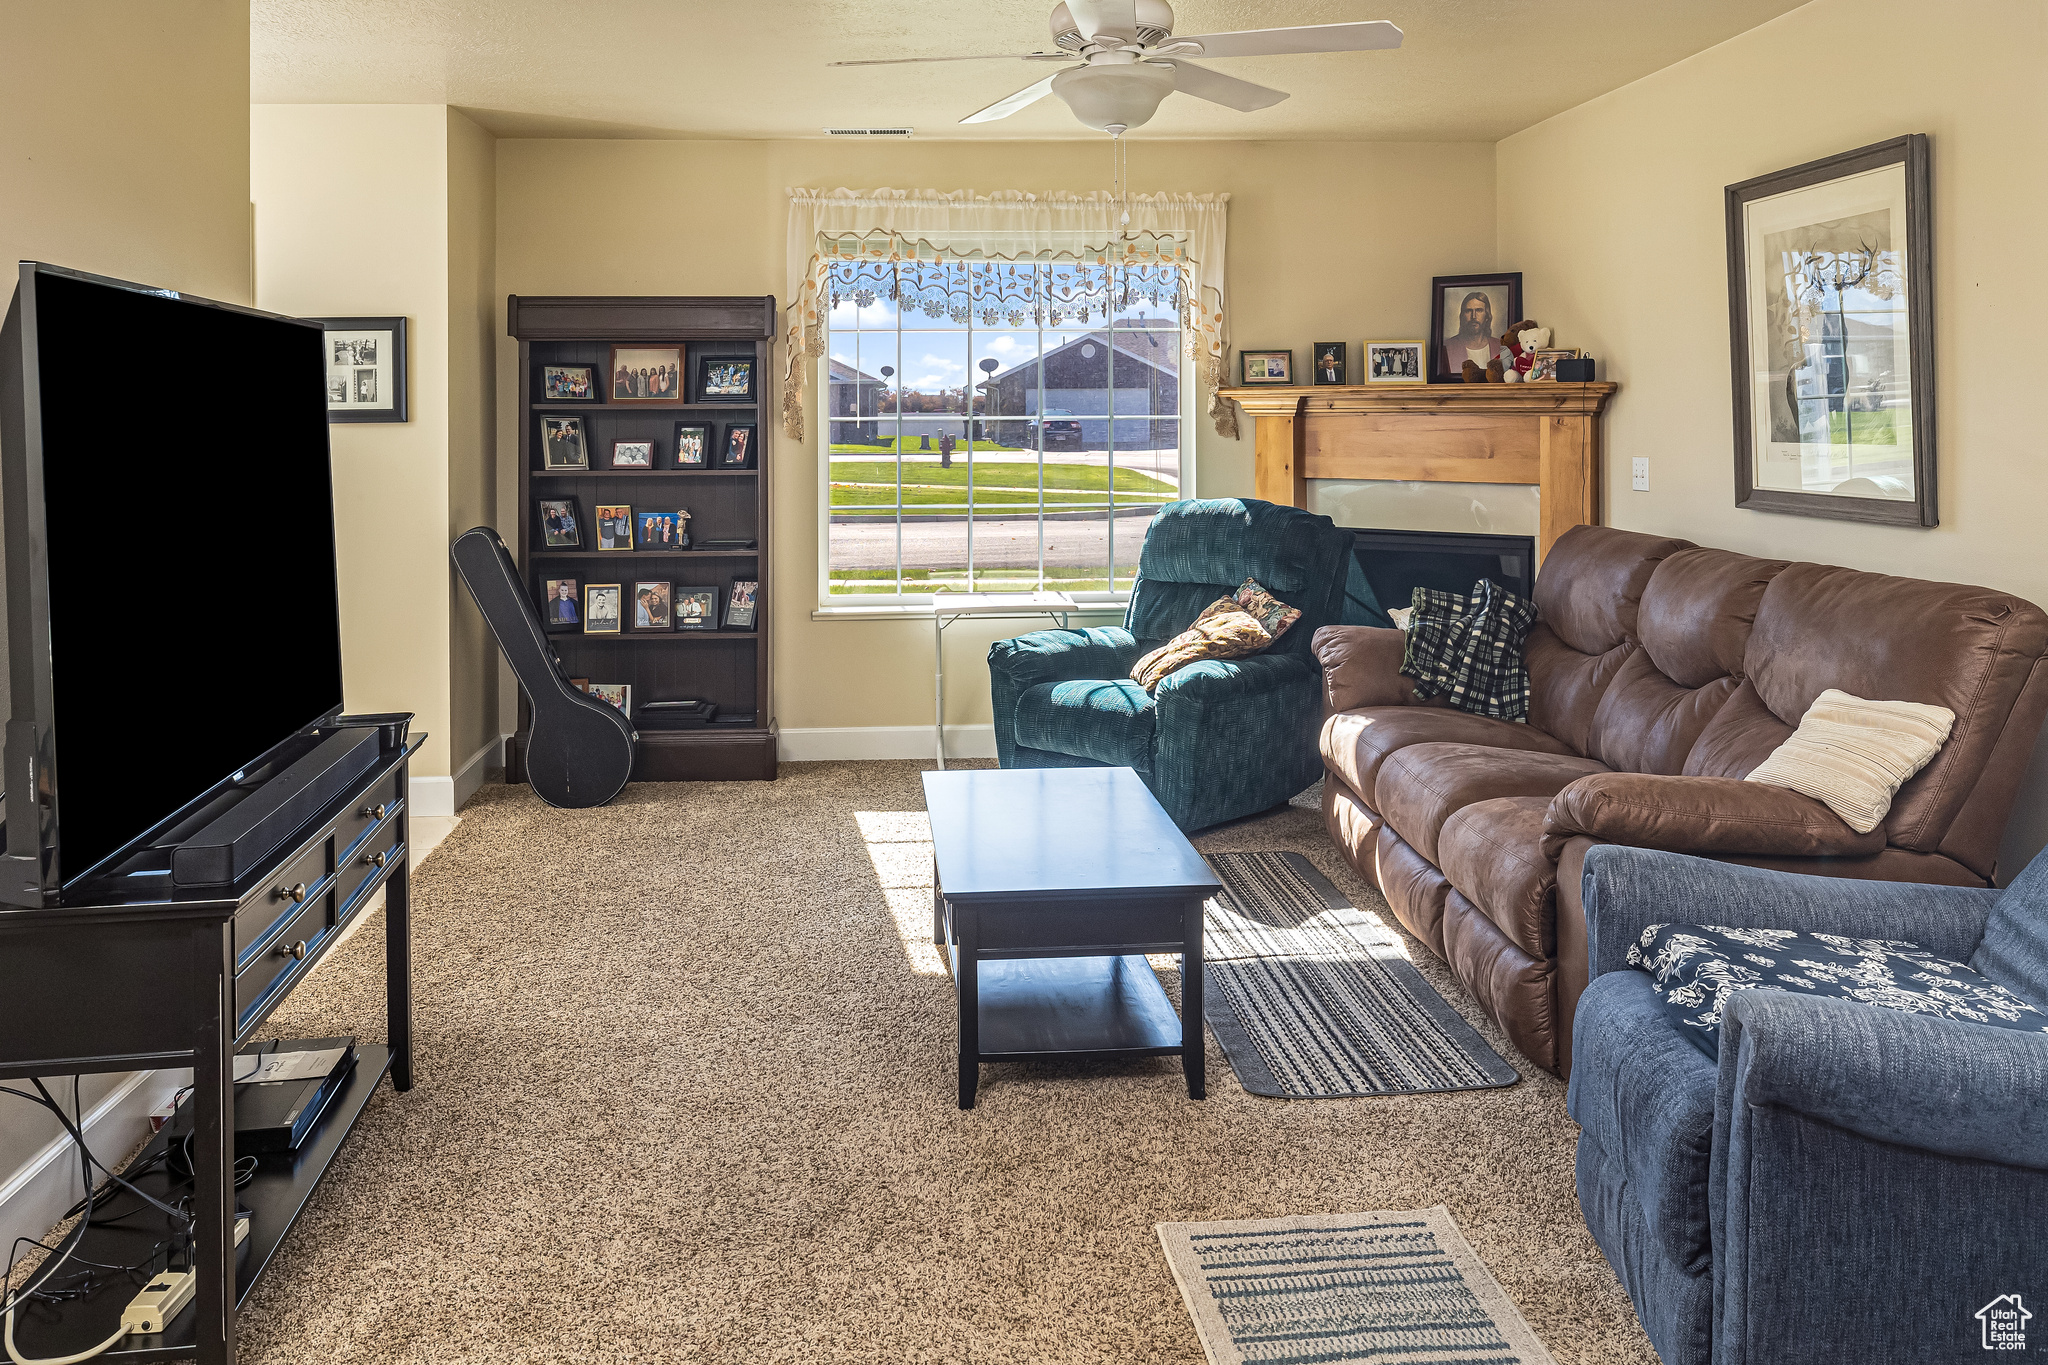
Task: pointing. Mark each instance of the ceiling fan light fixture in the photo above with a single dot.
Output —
(1126, 94)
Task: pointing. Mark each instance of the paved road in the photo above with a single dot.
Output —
(997, 544)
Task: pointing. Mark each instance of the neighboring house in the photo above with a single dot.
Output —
(852, 393)
(1078, 380)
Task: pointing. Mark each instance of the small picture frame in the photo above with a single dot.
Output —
(569, 383)
(652, 606)
(693, 445)
(632, 454)
(697, 609)
(562, 445)
(725, 379)
(601, 614)
(1394, 362)
(560, 527)
(365, 369)
(614, 527)
(1326, 363)
(663, 531)
(618, 694)
(738, 452)
(1545, 365)
(646, 374)
(1265, 367)
(561, 603)
(741, 600)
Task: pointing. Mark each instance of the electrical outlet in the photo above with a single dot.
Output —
(1641, 468)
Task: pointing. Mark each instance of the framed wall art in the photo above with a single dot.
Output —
(1467, 314)
(365, 369)
(1831, 333)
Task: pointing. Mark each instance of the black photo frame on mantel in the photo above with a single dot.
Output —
(1467, 314)
(365, 369)
(1831, 337)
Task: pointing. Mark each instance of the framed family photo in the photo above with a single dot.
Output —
(697, 609)
(739, 447)
(561, 603)
(569, 383)
(725, 379)
(601, 608)
(1544, 367)
(1394, 362)
(647, 374)
(1265, 367)
(652, 607)
(614, 527)
(1467, 315)
(632, 454)
(1831, 320)
(662, 530)
(365, 369)
(561, 443)
(559, 529)
(617, 694)
(1328, 363)
(740, 603)
(693, 445)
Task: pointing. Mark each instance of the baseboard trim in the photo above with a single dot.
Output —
(35, 1196)
(884, 741)
(447, 795)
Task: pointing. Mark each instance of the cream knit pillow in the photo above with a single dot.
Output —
(1854, 755)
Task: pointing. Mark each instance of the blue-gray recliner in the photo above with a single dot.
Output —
(1847, 1181)
(1219, 739)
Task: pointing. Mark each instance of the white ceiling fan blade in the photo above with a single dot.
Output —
(984, 57)
(1010, 104)
(1098, 19)
(1286, 42)
(1218, 88)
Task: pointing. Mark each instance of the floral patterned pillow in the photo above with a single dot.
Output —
(1222, 631)
(1269, 611)
(1695, 968)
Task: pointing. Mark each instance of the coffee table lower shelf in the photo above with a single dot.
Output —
(1036, 1007)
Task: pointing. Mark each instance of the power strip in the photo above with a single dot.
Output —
(167, 1294)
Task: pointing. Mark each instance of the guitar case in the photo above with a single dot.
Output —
(580, 751)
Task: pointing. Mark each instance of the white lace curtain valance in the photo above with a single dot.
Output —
(911, 246)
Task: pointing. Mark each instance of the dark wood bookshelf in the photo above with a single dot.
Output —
(730, 667)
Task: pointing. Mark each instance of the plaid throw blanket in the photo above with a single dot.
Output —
(1470, 650)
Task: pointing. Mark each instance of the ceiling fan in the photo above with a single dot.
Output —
(1129, 61)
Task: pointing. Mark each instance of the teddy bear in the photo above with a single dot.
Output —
(1521, 349)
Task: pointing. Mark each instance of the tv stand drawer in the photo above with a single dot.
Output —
(301, 883)
(298, 941)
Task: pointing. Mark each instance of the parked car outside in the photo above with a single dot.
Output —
(1058, 429)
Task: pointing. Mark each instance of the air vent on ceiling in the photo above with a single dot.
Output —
(869, 132)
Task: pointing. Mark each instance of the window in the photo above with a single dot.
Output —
(997, 426)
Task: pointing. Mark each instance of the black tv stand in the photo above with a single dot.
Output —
(158, 974)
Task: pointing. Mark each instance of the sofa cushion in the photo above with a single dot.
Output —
(1697, 612)
(1356, 743)
(1518, 989)
(1592, 583)
(1415, 891)
(1742, 734)
(1701, 815)
(1492, 851)
(1422, 785)
(1696, 968)
(1647, 723)
(1108, 720)
(1565, 686)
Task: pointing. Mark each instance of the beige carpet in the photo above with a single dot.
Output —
(687, 1094)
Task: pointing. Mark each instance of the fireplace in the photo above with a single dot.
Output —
(1387, 566)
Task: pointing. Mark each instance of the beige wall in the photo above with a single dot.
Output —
(124, 150)
(1326, 240)
(380, 210)
(1613, 211)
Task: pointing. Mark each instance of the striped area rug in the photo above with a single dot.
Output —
(1311, 998)
(1388, 1288)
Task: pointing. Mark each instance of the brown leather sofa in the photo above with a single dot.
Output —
(1661, 675)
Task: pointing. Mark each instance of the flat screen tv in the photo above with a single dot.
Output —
(172, 602)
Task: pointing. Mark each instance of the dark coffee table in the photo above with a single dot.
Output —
(1051, 884)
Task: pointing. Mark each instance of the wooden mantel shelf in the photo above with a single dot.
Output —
(1544, 434)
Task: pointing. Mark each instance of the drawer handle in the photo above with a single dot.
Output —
(295, 951)
(375, 859)
(294, 893)
(375, 812)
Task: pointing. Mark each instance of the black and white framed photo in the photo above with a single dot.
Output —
(1467, 315)
(632, 454)
(725, 379)
(562, 445)
(618, 694)
(740, 603)
(662, 530)
(696, 609)
(561, 603)
(601, 614)
(560, 528)
(1394, 362)
(739, 447)
(693, 445)
(1831, 319)
(647, 374)
(1265, 367)
(652, 606)
(569, 383)
(614, 527)
(1326, 363)
(365, 369)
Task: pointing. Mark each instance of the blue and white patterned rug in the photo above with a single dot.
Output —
(1401, 1288)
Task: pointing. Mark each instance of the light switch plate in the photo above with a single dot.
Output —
(1641, 468)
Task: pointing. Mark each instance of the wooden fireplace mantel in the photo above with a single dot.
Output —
(1545, 434)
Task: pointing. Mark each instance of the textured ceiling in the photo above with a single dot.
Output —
(1469, 70)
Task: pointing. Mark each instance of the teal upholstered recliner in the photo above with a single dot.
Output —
(1219, 739)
